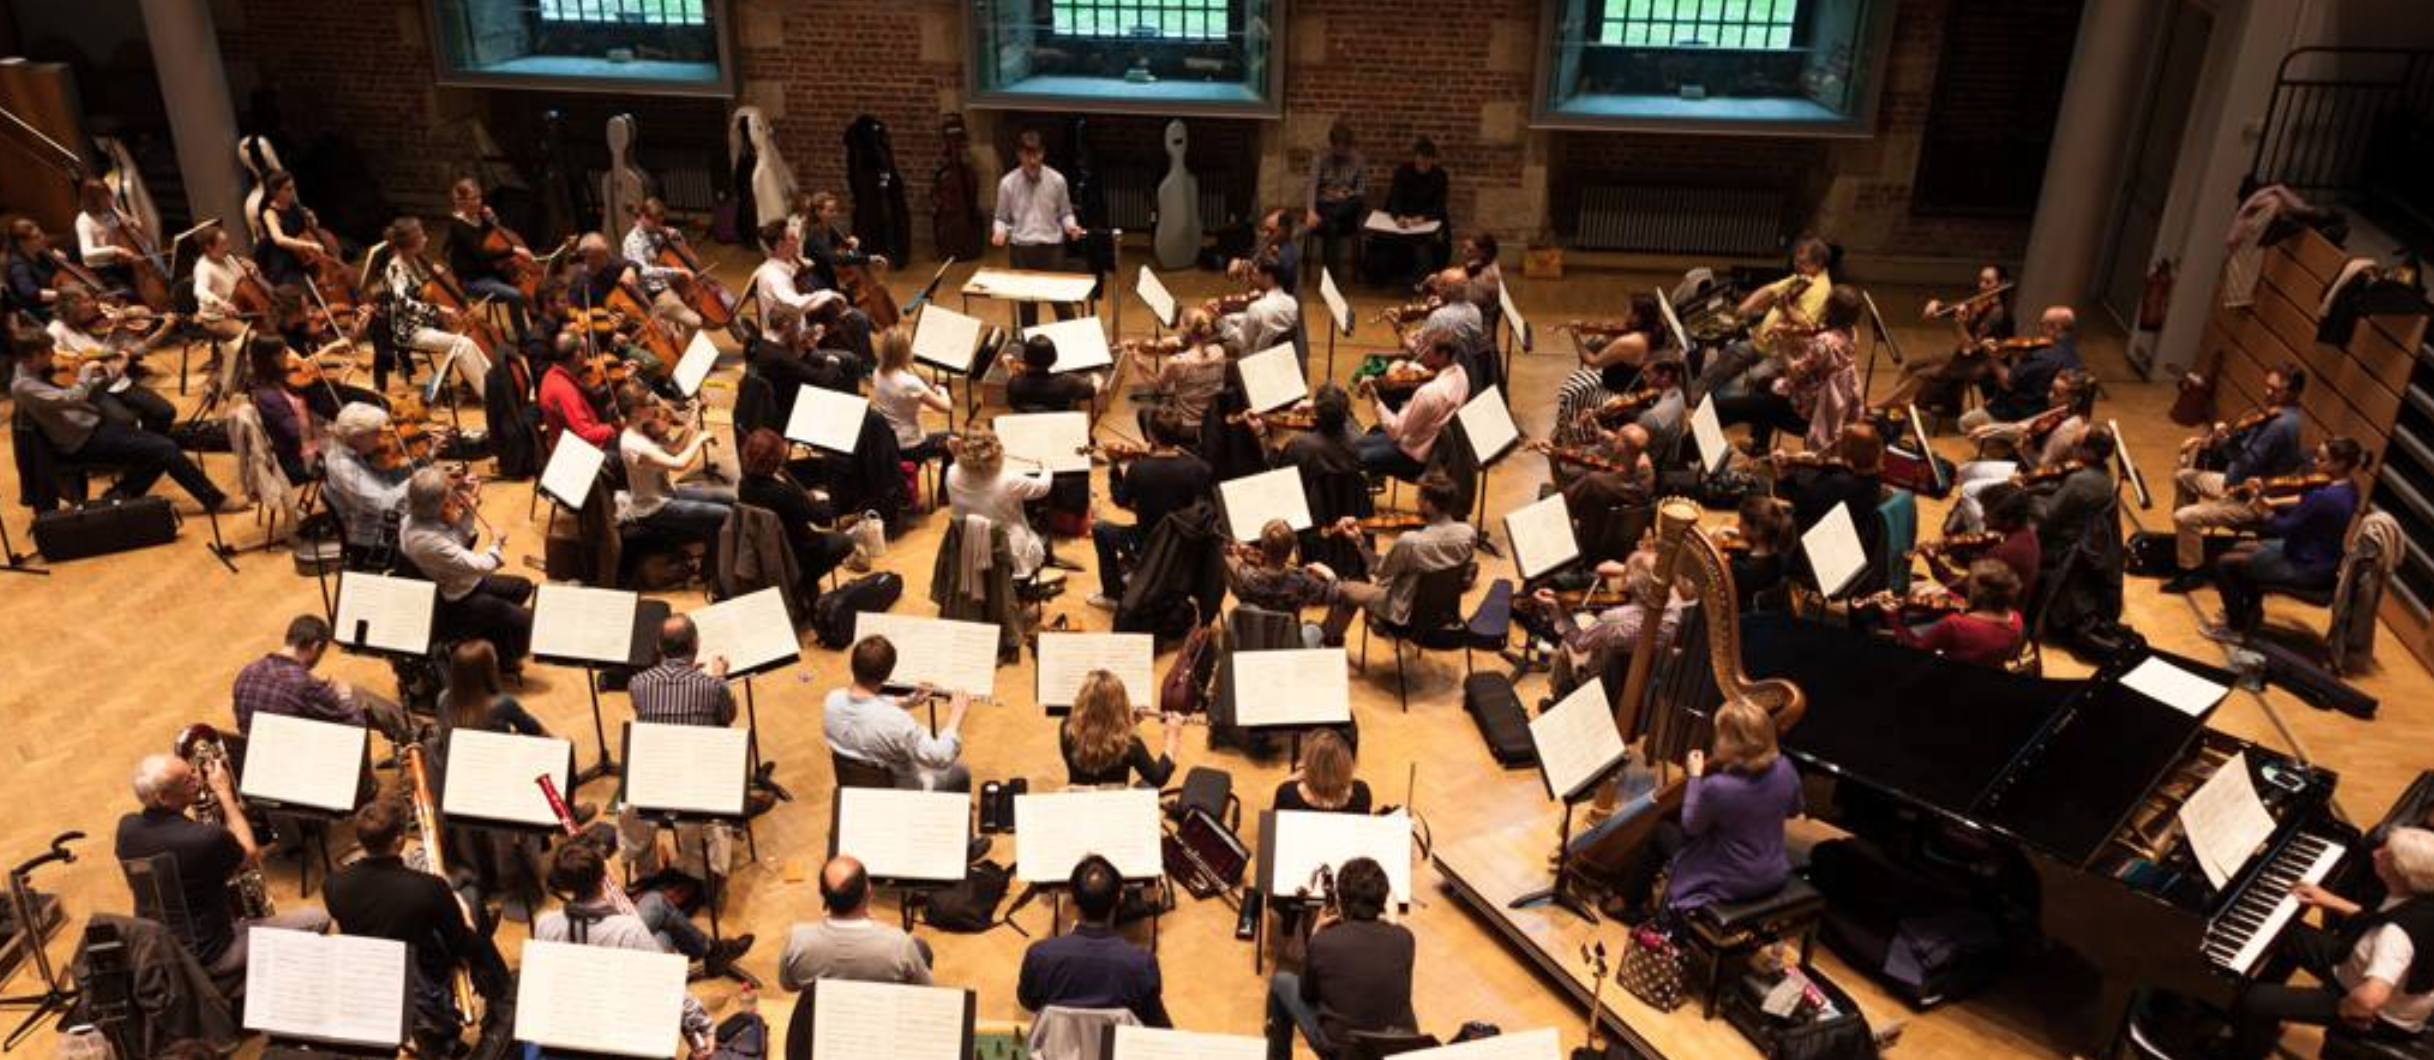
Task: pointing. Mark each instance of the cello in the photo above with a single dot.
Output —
(331, 277)
(442, 290)
(703, 293)
(151, 284)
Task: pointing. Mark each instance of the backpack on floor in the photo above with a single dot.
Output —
(832, 615)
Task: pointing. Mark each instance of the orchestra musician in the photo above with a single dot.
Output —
(208, 854)
(1190, 379)
(1767, 541)
(682, 688)
(103, 235)
(85, 329)
(789, 357)
(2011, 519)
(900, 394)
(1816, 394)
(1727, 846)
(2204, 491)
(1788, 303)
(1395, 578)
(777, 286)
(1851, 476)
(218, 271)
(1166, 479)
(572, 401)
(2079, 529)
(1937, 382)
(367, 493)
(2016, 389)
(73, 418)
(1263, 575)
(1039, 387)
(1097, 741)
(591, 917)
(828, 247)
(1356, 972)
(379, 896)
(599, 274)
(1988, 633)
(1333, 209)
(1276, 240)
(1329, 460)
(1587, 650)
(437, 541)
(1401, 442)
(848, 944)
(980, 484)
(287, 418)
(1093, 966)
(1478, 260)
(34, 268)
(479, 269)
(1416, 196)
(288, 243)
(656, 449)
(766, 485)
(418, 324)
(2373, 967)
(1034, 218)
(2045, 440)
(862, 723)
(644, 244)
(1618, 360)
(1272, 319)
(2302, 546)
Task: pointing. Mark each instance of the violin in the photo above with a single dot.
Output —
(1403, 375)
(2221, 433)
(1561, 454)
(2043, 475)
(2046, 421)
(1381, 523)
(1927, 600)
(1967, 309)
(1294, 419)
(67, 368)
(2282, 486)
(1410, 312)
(702, 292)
(1958, 545)
(2015, 345)
(410, 441)
(1229, 304)
(1118, 451)
(1623, 408)
(1813, 460)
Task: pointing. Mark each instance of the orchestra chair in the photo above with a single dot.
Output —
(1061, 1033)
(159, 895)
(853, 773)
(1898, 514)
(50, 478)
(1731, 932)
(2351, 601)
(1376, 1045)
(1436, 624)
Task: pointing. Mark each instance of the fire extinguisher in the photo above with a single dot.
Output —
(2158, 295)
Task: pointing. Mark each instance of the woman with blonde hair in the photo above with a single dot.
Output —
(1098, 742)
(1324, 780)
(1728, 845)
(979, 484)
(899, 393)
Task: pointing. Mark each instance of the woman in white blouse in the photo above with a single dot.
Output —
(979, 484)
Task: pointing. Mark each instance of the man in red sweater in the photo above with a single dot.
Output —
(565, 404)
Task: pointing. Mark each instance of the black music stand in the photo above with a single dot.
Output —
(641, 652)
(13, 561)
(670, 819)
(59, 993)
(1558, 891)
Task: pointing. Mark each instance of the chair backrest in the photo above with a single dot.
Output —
(1899, 511)
(1436, 603)
(756, 405)
(1372, 1045)
(160, 894)
(1061, 1033)
(852, 773)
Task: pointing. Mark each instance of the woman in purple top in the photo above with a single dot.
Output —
(1732, 816)
(2304, 547)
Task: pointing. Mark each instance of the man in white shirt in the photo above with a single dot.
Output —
(1273, 318)
(2374, 976)
(1401, 442)
(848, 944)
(1034, 218)
(868, 726)
(777, 283)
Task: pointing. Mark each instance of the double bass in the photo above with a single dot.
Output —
(955, 219)
(151, 284)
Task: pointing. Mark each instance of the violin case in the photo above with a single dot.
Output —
(104, 527)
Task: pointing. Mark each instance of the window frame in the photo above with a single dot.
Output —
(1549, 63)
(613, 13)
(1792, 24)
(1228, 19)
(449, 70)
(1263, 95)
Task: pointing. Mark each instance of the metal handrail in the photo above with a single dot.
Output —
(2318, 129)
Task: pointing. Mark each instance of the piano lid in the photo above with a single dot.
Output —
(1917, 725)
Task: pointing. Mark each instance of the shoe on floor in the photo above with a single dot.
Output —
(725, 952)
(2185, 582)
(1102, 601)
(2220, 632)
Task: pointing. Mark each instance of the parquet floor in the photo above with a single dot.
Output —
(106, 659)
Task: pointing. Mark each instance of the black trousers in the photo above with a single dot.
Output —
(1038, 257)
(493, 611)
(141, 457)
(2257, 1017)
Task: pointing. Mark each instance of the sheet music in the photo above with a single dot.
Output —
(1835, 554)
(1337, 309)
(1272, 378)
(1489, 425)
(685, 768)
(1708, 432)
(752, 631)
(1154, 294)
(1541, 1044)
(600, 999)
(1066, 658)
(950, 655)
(887, 1021)
(906, 835)
(1673, 321)
(2174, 686)
(1150, 1043)
(1020, 286)
(303, 762)
(1081, 344)
(1055, 831)
(1512, 314)
(1301, 686)
(348, 989)
(1577, 740)
(700, 356)
(395, 613)
(586, 625)
(1542, 536)
(946, 338)
(2226, 822)
(1252, 500)
(1381, 221)
(573, 466)
(1306, 840)
(830, 419)
(490, 776)
(1059, 440)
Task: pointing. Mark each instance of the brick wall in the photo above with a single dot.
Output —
(1457, 71)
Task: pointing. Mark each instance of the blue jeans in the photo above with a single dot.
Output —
(1381, 455)
(1287, 1010)
(519, 312)
(1116, 542)
(669, 924)
(693, 513)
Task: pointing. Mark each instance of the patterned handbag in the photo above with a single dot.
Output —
(1654, 968)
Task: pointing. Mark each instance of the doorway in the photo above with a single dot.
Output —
(2179, 57)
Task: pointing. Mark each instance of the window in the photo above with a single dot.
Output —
(1764, 24)
(625, 12)
(1163, 19)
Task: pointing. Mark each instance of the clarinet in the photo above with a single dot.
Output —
(617, 897)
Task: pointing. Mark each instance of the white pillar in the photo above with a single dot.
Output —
(202, 121)
(2083, 169)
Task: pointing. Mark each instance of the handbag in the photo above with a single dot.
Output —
(1654, 968)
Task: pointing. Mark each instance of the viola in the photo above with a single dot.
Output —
(707, 297)
(1229, 304)
(1959, 545)
(1563, 454)
(1622, 408)
(2282, 486)
(2043, 475)
(1293, 419)
(2016, 345)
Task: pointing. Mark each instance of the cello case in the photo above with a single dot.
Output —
(764, 183)
(260, 159)
(1178, 236)
(624, 186)
(1097, 248)
(955, 220)
(881, 220)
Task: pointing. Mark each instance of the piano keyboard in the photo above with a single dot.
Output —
(2241, 934)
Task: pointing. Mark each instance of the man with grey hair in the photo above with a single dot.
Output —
(369, 498)
(475, 600)
(2020, 389)
(2374, 973)
(207, 856)
(1797, 299)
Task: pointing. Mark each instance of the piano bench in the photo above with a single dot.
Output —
(2342, 1043)
(1729, 932)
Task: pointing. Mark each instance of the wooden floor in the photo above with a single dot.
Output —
(108, 658)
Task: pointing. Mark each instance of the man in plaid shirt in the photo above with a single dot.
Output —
(283, 682)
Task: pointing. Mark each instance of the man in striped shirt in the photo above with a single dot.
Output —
(679, 691)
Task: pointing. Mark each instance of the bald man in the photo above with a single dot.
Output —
(207, 856)
(848, 944)
(2017, 390)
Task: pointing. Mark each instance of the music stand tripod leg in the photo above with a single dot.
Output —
(16, 562)
(1558, 893)
(219, 547)
(606, 763)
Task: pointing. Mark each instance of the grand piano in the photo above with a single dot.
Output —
(2081, 780)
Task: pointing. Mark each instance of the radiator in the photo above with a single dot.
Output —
(1132, 199)
(686, 188)
(1681, 220)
